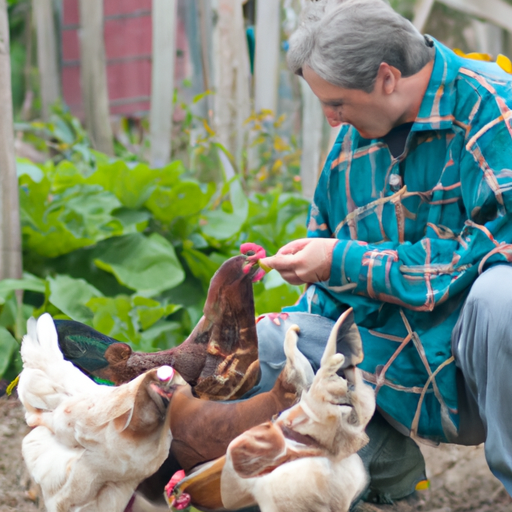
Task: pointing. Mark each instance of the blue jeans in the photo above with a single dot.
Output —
(482, 346)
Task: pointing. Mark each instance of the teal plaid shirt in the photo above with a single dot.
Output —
(415, 232)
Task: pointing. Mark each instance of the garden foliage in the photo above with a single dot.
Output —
(130, 250)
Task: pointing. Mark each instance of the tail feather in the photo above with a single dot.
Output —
(40, 345)
(298, 369)
(83, 346)
(46, 377)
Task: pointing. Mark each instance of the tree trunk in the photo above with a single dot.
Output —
(232, 76)
(47, 54)
(162, 86)
(267, 54)
(94, 75)
(10, 236)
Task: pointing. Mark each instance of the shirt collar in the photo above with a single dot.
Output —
(437, 106)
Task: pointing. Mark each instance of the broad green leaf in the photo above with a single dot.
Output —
(273, 280)
(223, 225)
(87, 212)
(182, 200)
(238, 199)
(132, 187)
(146, 264)
(28, 282)
(25, 166)
(161, 336)
(71, 296)
(150, 311)
(33, 200)
(8, 347)
(201, 265)
(273, 300)
(79, 217)
(112, 316)
(66, 176)
(132, 220)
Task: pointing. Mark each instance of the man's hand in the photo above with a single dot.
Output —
(307, 260)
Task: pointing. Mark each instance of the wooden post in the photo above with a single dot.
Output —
(10, 235)
(489, 38)
(267, 54)
(422, 11)
(232, 76)
(162, 86)
(193, 24)
(497, 12)
(47, 54)
(206, 29)
(94, 75)
(312, 124)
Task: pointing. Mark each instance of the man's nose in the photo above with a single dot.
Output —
(332, 115)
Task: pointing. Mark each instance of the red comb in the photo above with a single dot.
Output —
(255, 248)
(176, 478)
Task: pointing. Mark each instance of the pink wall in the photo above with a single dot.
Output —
(128, 47)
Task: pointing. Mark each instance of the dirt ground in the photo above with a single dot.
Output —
(460, 479)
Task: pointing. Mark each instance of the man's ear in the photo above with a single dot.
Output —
(387, 78)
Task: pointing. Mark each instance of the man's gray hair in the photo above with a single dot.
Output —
(345, 41)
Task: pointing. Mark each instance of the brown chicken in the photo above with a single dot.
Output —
(220, 357)
(304, 460)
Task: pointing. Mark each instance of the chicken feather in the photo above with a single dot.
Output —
(91, 445)
(304, 460)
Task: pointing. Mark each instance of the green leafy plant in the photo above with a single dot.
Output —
(130, 250)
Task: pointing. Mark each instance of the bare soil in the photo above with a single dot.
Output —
(459, 476)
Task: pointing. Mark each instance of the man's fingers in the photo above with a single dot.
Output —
(291, 277)
(280, 261)
(267, 262)
(294, 247)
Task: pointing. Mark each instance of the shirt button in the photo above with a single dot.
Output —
(395, 182)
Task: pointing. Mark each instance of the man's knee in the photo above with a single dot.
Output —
(492, 291)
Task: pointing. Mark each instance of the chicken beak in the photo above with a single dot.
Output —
(175, 498)
(169, 380)
(252, 269)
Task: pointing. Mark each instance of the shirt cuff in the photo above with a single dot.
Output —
(347, 258)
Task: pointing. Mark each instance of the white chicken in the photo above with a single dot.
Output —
(92, 444)
(307, 458)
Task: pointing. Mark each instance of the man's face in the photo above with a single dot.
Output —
(367, 112)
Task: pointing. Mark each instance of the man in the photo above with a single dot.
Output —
(411, 221)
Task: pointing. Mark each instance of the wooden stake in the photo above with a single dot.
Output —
(267, 53)
(422, 12)
(162, 86)
(232, 76)
(94, 75)
(10, 235)
(47, 54)
(312, 122)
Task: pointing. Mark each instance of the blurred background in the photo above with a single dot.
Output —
(100, 59)
(152, 138)
(146, 141)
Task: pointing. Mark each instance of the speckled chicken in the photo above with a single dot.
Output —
(91, 445)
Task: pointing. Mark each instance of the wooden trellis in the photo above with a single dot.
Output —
(10, 235)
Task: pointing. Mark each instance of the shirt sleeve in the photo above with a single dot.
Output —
(423, 274)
